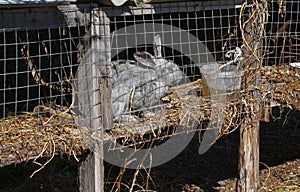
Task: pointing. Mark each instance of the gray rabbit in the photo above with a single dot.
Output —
(165, 70)
(134, 87)
(141, 84)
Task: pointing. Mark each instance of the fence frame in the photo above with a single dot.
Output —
(94, 180)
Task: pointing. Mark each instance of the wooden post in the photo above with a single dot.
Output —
(92, 169)
(248, 180)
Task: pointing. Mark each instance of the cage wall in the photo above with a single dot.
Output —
(157, 53)
(157, 73)
(38, 64)
(157, 56)
(280, 71)
(165, 70)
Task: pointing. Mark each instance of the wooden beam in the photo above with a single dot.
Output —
(172, 7)
(251, 26)
(33, 16)
(248, 180)
(121, 2)
(31, 2)
(92, 170)
(5, 4)
(45, 16)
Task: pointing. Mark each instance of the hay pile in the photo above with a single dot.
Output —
(30, 136)
(281, 86)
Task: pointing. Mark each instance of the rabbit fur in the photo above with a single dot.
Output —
(141, 84)
(134, 87)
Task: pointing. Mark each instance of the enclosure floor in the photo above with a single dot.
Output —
(214, 171)
(29, 136)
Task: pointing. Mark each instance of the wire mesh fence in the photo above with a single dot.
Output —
(38, 67)
(280, 71)
(156, 78)
(175, 68)
(204, 44)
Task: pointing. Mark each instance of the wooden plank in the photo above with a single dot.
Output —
(122, 2)
(104, 93)
(31, 4)
(161, 1)
(92, 170)
(248, 179)
(172, 7)
(19, 2)
(77, 14)
(73, 15)
(45, 17)
(30, 18)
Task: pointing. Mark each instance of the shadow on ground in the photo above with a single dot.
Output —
(279, 143)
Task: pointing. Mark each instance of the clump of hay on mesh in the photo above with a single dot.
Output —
(30, 136)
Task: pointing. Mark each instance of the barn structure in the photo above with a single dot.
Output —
(100, 80)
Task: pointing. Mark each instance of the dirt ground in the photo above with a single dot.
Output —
(214, 171)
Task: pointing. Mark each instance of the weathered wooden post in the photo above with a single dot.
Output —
(251, 27)
(92, 169)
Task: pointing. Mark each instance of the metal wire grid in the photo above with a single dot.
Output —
(283, 22)
(217, 29)
(63, 56)
(282, 47)
(280, 80)
(51, 52)
(54, 52)
(37, 73)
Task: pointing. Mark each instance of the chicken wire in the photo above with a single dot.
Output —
(188, 35)
(38, 65)
(39, 71)
(280, 71)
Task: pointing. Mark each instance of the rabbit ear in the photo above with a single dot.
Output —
(145, 59)
(157, 46)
